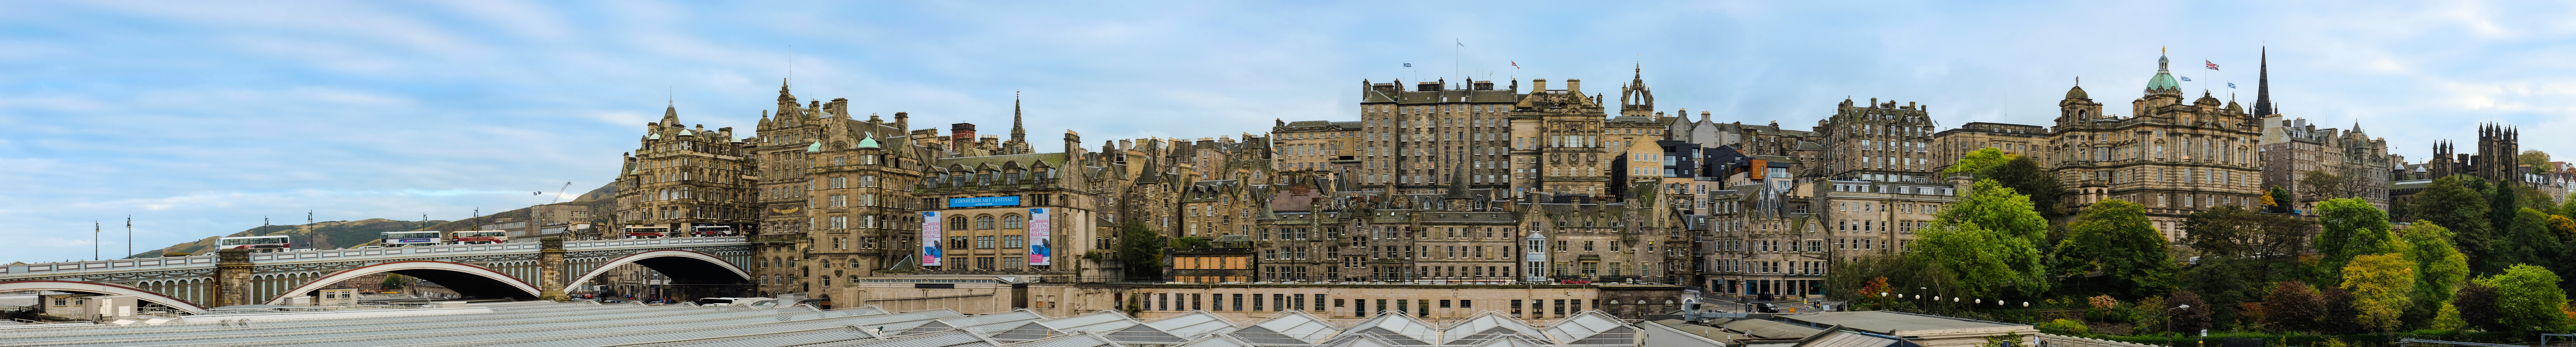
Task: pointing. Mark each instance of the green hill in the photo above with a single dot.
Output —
(346, 234)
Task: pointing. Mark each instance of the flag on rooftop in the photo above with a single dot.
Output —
(1408, 64)
(2185, 79)
(2231, 84)
(2212, 66)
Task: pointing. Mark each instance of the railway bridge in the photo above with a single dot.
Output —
(524, 270)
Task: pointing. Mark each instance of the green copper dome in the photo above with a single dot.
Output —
(2164, 79)
(868, 142)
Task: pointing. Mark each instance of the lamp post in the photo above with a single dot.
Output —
(2169, 316)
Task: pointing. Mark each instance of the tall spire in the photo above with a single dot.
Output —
(2263, 85)
(1018, 133)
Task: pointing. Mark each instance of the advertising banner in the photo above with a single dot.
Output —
(1041, 237)
(930, 251)
(986, 201)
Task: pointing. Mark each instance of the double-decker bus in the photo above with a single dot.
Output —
(262, 244)
(479, 236)
(711, 230)
(413, 238)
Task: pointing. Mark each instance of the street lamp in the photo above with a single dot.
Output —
(2169, 316)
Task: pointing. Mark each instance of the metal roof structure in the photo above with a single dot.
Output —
(635, 325)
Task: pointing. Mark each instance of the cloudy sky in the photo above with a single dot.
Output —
(199, 118)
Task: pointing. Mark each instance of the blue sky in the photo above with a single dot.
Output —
(198, 118)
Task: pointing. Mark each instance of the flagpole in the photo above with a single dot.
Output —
(93, 240)
(129, 235)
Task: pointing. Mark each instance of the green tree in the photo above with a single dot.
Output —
(2023, 175)
(1987, 244)
(2455, 204)
(2352, 228)
(2321, 184)
(2115, 237)
(2279, 200)
(2527, 298)
(2527, 240)
(2232, 231)
(1980, 159)
(2439, 267)
(1141, 249)
(2538, 160)
(2380, 285)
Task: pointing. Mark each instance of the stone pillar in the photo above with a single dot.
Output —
(232, 279)
(550, 268)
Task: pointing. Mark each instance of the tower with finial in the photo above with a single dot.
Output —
(1635, 100)
(2263, 85)
(1019, 143)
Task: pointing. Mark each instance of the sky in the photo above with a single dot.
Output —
(201, 118)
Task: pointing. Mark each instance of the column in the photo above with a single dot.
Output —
(232, 279)
(550, 266)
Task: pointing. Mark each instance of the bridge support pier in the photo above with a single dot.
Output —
(232, 279)
(550, 276)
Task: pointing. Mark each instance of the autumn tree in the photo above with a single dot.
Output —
(2380, 285)
(2115, 237)
(1987, 243)
(2292, 306)
(2341, 317)
(2279, 200)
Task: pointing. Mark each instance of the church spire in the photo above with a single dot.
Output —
(1018, 133)
(2263, 85)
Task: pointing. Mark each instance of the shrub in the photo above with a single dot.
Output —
(2067, 327)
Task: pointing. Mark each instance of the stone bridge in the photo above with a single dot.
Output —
(525, 270)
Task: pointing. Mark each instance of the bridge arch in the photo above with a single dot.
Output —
(684, 267)
(101, 288)
(467, 279)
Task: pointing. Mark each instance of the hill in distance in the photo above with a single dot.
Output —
(348, 234)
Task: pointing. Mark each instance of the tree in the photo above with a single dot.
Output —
(1980, 159)
(2116, 238)
(2292, 306)
(2380, 286)
(1988, 243)
(2527, 240)
(2477, 304)
(2321, 184)
(2191, 318)
(2352, 228)
(1141, 249)
(2279, 200)
(2233, 231)
(2454, 204)
(2341, 316)
(2527, 298)
(2439, 267)
(2024, 175)
(2538, 160)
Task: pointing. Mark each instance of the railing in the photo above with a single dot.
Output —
(120, 265)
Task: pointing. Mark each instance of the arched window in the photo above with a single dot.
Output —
(957, 223)
(984, 222)
(684, 193)
(1013, 221)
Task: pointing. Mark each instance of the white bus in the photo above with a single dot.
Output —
(261, 244)
(479, 236)
(413, 238)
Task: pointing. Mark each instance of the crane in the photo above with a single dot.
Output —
(559, 193)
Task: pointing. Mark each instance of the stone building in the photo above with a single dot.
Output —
(1880, 178)
(680, 180)
(2011, 139)
(1414, 139)
(2292, 149)
(1321, 146)
(2172, 156)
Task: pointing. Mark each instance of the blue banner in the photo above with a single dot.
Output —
(991, 201)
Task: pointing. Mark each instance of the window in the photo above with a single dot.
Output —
(984, 222)
(867, 199)
(1013, 221)
(840, 222)
(956, 223)
(840, 182)
(1014, 241)
(867, 181)
(983, 242)
(838, 200)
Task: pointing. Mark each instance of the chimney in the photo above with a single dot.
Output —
(1574, 86)
(1538, 85)
(964, 132)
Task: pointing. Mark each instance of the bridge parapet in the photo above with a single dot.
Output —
(82, 268)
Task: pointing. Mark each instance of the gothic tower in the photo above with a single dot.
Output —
(1634, 99)
(2263, 86)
